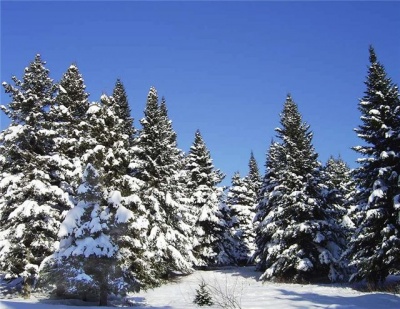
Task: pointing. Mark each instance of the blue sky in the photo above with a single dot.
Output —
(224, 67)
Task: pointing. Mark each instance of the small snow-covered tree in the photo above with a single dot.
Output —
(297, 239)
(203, 296)
(375, 247)
(91, 261)
(210, 228)
(31, 204)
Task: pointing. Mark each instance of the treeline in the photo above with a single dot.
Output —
(91, 205)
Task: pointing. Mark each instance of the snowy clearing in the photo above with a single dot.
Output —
(242, 286)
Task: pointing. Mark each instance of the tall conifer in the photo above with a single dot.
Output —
(31, 206)
(297, 239)
(375, 247)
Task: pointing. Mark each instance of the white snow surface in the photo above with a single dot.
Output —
(241, 283)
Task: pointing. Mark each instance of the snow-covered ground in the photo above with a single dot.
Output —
(241, 285)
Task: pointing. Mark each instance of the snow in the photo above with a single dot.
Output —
(123, 214)
(242, 285)
(304, 265)
(93, 109)
(374, 112)
(62, 89)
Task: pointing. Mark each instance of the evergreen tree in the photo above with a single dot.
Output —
(93, 237)
(338, 182)
(68, 121)
(123, 110)
(210, 228)
(203, 296)
(254, 176)
(241, 200)
(109, 145)
(375, 247)
(267, 196)
(297, 239)
(158, 166)
(31, 206)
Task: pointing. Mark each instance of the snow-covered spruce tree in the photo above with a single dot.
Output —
(88, 261)
(267, 196)
(210, 230)
(31, 207)
(70, 128)
(203, 296)
(254, 176)
(242, 200)
(109, 144)
(297, 239)
(158, 165)
(375, 247)
(123, 110)
(339, 186)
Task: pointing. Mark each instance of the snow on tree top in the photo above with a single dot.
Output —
(93, 109)
(304, 265)
(62, 89)
(115, 198)
(101, 246)
(90, 167)
(374, 112)
(123, 214)
(70, 221)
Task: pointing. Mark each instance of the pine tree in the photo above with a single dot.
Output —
(68, 121)
(267, 197)
(375, 247)
(158, 166)
(338, 182)
(297, 239)
(242, 200)
(254, 176)
(123, 110)
(110, 146)
(210, 228)
(31, 206)
(203, 296)
(97, 236)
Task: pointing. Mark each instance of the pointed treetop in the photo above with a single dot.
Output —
(152, 95)
(254, 172)
(163, 107)
(291, 119)
(372, 55)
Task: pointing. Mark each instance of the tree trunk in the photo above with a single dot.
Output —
(103, 294)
